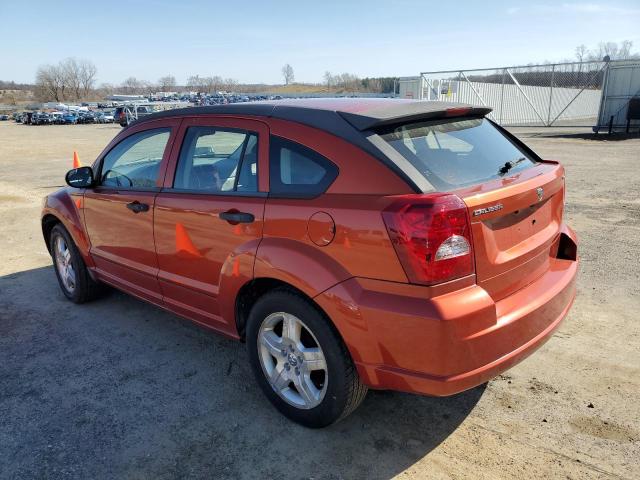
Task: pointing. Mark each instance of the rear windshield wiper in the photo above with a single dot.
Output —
(509, 165)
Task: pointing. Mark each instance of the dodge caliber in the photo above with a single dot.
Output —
(350, 243)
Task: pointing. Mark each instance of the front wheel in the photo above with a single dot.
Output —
(300, 362)
(73, 276)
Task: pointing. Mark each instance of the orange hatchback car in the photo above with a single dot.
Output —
(352, 244)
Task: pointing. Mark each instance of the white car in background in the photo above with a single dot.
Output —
(104, 117)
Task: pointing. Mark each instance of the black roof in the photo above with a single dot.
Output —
(352, 119)
(360, 113)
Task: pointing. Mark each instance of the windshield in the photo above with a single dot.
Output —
(458, 152)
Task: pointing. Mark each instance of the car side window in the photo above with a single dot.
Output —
(135, 161)
(295, 170)
(216, 160)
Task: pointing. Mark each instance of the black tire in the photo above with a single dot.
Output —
(85, 289)
(344, 390)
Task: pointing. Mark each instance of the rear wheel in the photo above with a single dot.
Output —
(300, 362)
(71, 271)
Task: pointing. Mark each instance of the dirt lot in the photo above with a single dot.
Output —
(121, 389)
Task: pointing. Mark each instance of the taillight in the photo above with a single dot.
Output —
(432, 237)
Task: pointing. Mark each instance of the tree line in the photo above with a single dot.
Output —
(613, 50)
(353, 83)
(75, 79)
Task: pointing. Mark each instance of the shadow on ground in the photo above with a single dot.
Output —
(118, 388)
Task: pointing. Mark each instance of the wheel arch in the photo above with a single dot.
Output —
(252, 290)
(256, 288)
(48, 222)
(64, 207)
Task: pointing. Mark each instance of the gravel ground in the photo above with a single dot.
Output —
(121, 389)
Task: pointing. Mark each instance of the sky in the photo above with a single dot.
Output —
(251, 40)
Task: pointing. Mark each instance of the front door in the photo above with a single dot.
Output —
(209, 216)
(118, 211)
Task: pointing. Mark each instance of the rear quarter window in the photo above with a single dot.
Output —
(458, 152)
(298, 171)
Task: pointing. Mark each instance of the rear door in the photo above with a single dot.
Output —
(118, 211)
(209, 215)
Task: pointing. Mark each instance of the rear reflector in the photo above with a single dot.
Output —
(432, 237)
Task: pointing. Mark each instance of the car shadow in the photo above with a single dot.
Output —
(119, 388)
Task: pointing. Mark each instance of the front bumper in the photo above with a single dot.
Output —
(446, 344)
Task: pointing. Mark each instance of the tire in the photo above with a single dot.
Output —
(303, 391)
(83, 288)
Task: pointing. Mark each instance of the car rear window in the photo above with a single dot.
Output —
(457, 152)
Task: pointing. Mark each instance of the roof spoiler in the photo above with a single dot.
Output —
(409, 112)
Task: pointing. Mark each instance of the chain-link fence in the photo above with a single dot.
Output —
(565, 94)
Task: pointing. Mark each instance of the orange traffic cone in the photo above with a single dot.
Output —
(184, 244)
(76, 160)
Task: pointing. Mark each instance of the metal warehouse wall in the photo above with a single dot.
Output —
(525, 104)
(410, 87)
(621, 83)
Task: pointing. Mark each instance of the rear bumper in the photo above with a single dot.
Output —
(401, 340)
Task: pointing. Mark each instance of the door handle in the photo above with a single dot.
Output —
(235, 217)
(137, 207)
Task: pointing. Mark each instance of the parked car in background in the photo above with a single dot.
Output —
(104, 117)
(69, 118)
(56, 118)
(40, 118)
(352, 244)
(86, 117)
(4, 118)
(128, 113)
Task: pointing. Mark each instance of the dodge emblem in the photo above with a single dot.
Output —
(540, 193)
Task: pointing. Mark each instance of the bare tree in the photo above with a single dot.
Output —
(71, 71)
(131, 85)
(210, 84)
(148, 88)
(106, 89)
(581, 52)
(196, 82)
(71, 79)
(614, 50)
(609, 49)
(328, 79)
(87, 74)
(50, 82)
(287, 73)
(230, 84)
(624, 52)
(167, 83)
(216, 83)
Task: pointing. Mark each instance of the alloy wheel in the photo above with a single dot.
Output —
(64, 264)
(292, 360)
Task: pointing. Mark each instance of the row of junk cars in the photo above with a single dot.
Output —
(63, 118)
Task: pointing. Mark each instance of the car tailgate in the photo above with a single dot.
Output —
(514, 223)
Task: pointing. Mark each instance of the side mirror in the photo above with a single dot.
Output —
(79, 177)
